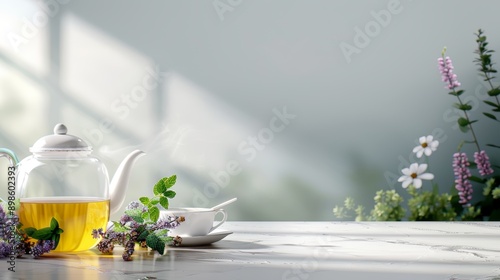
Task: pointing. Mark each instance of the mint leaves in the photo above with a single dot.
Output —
(53, 232)
(161, 195)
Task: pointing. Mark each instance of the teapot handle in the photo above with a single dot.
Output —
(9, 155)
(12, 159)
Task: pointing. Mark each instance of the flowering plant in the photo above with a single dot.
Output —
(461, 203)
(141, 224)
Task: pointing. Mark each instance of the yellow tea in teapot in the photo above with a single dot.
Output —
(77, 216)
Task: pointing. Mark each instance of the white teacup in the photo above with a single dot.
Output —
(198, 221)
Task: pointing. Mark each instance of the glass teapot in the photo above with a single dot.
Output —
(62, 180)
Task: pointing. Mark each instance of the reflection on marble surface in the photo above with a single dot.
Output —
(298, 251)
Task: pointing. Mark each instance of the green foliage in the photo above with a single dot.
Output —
(470, 214)
(162, 193)
(496, 193)
(53, 232)
(484, 57)
(494, 92)
(491, 116)
(156, 240)
(143, 235)
(423, 206)
(456, 93)
(489, 205)
(155, 243)
(463, 107)
(118, 227)
(341, 212)
(430, 206)
(135, 214)
(360, 213)
(494, 146)
(154, 214)
(488, 186)
(486, 70)
(387, 206)
(164, 184)
(492, 104)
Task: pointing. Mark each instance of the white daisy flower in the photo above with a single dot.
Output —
(414, 175)
(427, 146)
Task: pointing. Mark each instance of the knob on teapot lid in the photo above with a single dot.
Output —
(60, 142)
(60, 129)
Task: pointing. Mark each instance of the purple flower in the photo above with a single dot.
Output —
(47, 245)
(169, 223)
(5, 249)
(132, 205)
(105, 246)
(2, 214)
(41, 247)
(483, 163)
(125, 219)
(36, 251)
(97, 233)
(136, 205)
(128, 250)
(462, 175)
(446, 69)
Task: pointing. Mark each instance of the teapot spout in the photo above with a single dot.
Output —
(120, 181)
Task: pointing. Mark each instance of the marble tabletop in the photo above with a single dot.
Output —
(297, 251)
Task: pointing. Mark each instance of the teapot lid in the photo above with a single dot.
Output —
(60, 142)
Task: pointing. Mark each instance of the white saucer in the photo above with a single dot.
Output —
(210, 238)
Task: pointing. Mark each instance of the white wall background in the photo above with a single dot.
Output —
(190, 81)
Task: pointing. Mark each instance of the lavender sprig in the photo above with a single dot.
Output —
(41, 247)
(483, 163)
(446, 68)
(462, 175)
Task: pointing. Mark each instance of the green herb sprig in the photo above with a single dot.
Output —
(53, 233)
(141, 225)
(162, 193)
